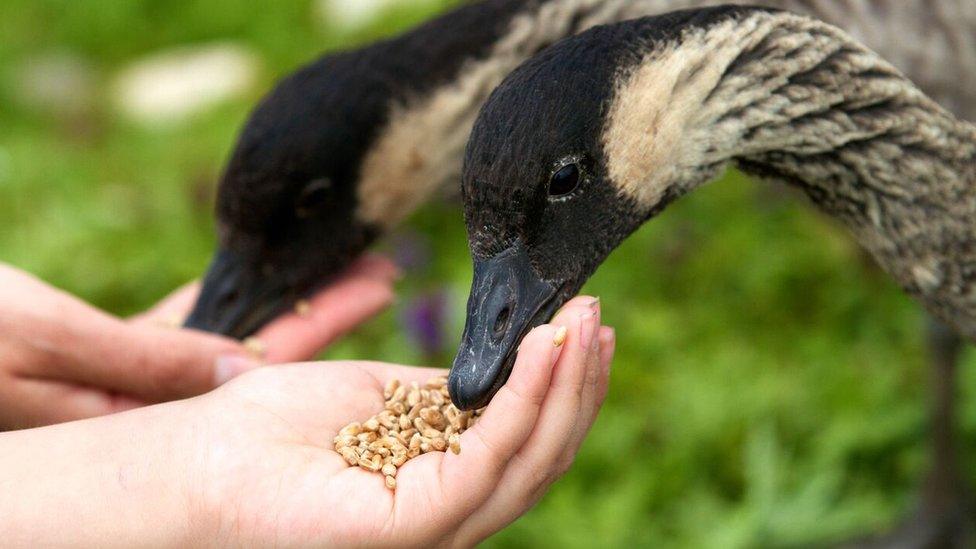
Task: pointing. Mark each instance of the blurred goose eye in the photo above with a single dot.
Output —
(312, 196)
(565, 180)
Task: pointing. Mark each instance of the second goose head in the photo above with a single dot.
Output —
(339, 151)
(600, 132)
(286, 203)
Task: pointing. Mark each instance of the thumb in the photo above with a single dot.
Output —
(159, 364)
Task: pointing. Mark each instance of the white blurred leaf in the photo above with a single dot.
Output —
(172, 85)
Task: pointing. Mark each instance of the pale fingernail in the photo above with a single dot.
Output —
(588, 327)
(560, 337)
(595, 305)
(612, 342)
(227, 367)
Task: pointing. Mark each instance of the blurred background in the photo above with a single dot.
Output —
(770, 383)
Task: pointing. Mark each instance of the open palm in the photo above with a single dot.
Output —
(268, 473)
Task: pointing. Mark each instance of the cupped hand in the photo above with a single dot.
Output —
(266, 473)
(62, 359)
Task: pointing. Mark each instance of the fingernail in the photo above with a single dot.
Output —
(560, 337)
(595, 305)
(587, 329)
(228, 367)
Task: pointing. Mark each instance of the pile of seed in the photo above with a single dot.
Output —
(415, 420)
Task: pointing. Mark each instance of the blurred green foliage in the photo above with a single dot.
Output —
(770, 383)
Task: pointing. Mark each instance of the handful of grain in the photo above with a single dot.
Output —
(415, 420)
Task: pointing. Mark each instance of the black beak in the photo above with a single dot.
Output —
(238, 297)
(507, 300)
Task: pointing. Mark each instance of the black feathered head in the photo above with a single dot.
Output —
(339, 151)
(286, 204)
(572, 153)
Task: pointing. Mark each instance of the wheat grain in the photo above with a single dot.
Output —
(415, 420)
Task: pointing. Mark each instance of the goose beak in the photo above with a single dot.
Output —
(237, 298)
(507, 300)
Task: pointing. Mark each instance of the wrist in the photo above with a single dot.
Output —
(111, 481)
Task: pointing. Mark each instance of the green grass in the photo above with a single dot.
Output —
(769, 387)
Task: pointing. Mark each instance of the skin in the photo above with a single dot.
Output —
(251, 463)
(62, 359)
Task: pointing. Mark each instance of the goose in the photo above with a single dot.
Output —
(342, 150)
(599, 133)
(345, 148)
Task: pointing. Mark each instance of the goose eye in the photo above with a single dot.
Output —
(312, 196)
(564, 181)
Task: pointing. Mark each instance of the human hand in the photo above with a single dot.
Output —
(268, 474)
(62, 359)
(252, 462)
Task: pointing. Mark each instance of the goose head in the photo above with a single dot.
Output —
(342, 151)
(287, 202)
(570, 155)
(541, 208)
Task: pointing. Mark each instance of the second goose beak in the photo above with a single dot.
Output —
(237, 299)
(507, 300)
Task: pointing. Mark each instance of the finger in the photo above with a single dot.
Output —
(589, 401)
(374, 265)
(592, 402)
(579, 317)
(542, 458)
(152, 363)
(608, 346)
(42, 402)
(85, 346)
(358, 295)
(564, 401)
(594, 394)
(467, 480)
(173, 309)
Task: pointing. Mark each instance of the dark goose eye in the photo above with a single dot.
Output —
(312, 196)
(565, 180)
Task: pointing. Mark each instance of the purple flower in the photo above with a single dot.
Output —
(424, 318)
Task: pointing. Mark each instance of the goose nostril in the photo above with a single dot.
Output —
(227, 299)
(501, 321)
